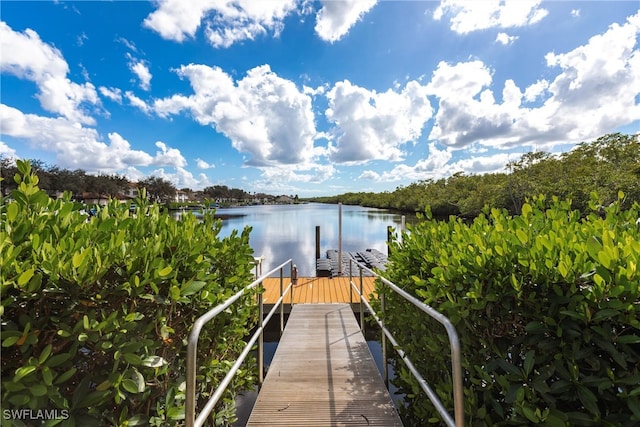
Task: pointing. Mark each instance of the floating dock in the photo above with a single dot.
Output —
(323, 374)
(332, 265)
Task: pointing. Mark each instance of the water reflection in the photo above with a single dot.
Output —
(280, 232)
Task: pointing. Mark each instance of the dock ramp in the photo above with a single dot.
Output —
(323, 374)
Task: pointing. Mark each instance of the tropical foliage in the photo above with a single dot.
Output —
(546, 305)
(96, 310)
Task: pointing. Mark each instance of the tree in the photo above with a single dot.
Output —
(8, 170)
(605, 166)
(67, 180)
(534, 174)
(107, 186)
(158, 189)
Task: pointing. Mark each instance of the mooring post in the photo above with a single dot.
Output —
(317, 242)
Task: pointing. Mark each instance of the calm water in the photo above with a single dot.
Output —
(280, 232)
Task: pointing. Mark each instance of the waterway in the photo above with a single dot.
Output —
(280, 232)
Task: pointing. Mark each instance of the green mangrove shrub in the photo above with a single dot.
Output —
(96, 310)
(547, 308)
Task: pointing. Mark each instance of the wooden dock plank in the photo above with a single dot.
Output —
(316, 290)
(323, 374)
(343, 291)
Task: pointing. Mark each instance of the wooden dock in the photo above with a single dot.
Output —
(317, 290)
(323, 374)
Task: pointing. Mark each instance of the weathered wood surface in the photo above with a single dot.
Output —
(317, 290)
(323, 374)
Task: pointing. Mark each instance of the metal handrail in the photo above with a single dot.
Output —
(456, 366)
(192, 346)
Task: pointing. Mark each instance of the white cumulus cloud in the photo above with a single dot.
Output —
(467, 16)
(26, 56)
(595, 91)
(371, 125)
(137, 102)
(262, 114)
(112, 93)
(76, 146)
(279, 178)
(141, 70)
(182, 178)
(226, 22)
(505, 38)
(336, 17)
(168, 156)
(201, 164)
(7, 151)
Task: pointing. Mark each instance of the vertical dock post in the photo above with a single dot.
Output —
(317, 242)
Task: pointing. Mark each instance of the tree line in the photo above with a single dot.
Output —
(54, 179)
(605, 166)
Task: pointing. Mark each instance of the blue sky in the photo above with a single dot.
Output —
(312, 97)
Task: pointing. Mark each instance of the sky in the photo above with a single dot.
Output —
(312, 98)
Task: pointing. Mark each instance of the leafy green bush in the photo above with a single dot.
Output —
(96, 310)
(547, 307)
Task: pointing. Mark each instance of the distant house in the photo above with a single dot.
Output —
(102, 200)
(284, 200)
(261, 200)
(95, 199)
(181, 196)
(132, 190)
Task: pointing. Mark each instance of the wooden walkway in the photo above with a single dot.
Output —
(323, 374)
(317, 290)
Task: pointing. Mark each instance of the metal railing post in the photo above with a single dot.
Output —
(293, 268)
(192, 350)
(383, 342)
(456, 353)
(281, 306)
(192, 346)
(260, 342)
